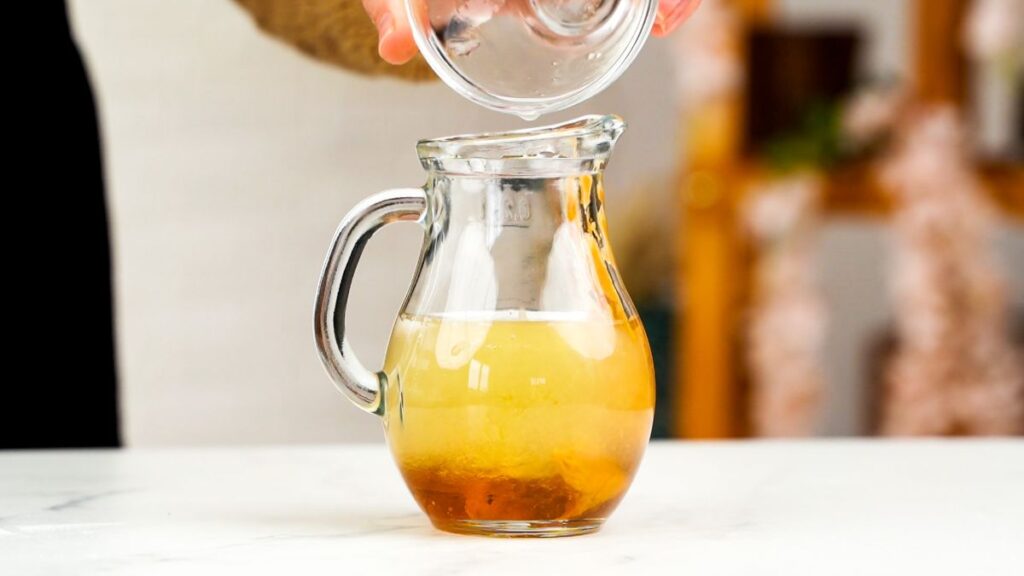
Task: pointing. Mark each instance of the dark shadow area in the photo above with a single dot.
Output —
(59, 273)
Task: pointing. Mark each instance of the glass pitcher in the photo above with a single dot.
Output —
(517, 392)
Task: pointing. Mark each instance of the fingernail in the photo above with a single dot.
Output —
(385, 26)
(659, 24)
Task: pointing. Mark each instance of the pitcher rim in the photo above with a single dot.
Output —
(579, 145)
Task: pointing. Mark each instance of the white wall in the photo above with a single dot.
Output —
(886, 24)
(230, 158)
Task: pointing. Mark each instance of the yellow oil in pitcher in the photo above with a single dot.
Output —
(531, 417)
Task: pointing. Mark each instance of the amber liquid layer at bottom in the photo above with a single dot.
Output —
(446, 497)
(518, 425)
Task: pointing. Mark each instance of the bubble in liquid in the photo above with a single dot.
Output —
(528, 115)
(593, 55)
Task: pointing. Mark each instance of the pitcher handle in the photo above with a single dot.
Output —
(362, 386)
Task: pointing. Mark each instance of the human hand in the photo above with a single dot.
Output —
(672, 13)
(397, 46)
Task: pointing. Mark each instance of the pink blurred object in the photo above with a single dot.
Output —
(995, 29)
(873, 113)
(707, 64)
(955, 371)
(787, 324)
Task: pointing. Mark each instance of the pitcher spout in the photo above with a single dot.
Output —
(579, 146)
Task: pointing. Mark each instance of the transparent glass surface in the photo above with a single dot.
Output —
(530, 57)
(518, 385)
(517, 391)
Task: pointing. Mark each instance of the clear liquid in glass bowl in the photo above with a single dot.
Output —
(530, 57)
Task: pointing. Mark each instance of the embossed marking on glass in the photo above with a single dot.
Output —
(517, 392)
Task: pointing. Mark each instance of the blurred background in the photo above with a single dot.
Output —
(818, 208)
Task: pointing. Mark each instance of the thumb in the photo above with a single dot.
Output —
(395, 43)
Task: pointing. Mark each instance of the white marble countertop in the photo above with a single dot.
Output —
(821, 508)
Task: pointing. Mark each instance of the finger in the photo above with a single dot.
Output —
(672, 13)
(395, 44)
